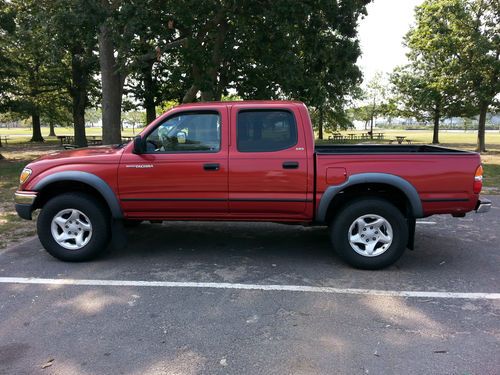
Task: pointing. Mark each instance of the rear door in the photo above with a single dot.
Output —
(184, 173)
(268, 169)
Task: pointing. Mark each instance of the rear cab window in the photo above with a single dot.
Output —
(265, 130)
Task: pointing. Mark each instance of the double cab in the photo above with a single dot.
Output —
(247, 161)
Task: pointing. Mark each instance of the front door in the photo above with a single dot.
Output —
(184, 171)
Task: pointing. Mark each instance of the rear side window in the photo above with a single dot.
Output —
(265, 130)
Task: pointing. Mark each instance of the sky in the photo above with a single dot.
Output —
(381, 35)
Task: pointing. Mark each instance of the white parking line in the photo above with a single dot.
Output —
(287, 288)
(426, 222)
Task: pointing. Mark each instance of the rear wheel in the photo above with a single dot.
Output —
(369, 233)
(74, 227)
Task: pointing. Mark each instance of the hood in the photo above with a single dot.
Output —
(97, 154)
(80, 159)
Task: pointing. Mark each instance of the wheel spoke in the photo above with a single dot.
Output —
(384, 238)
(84, 225)
(63, 237)
(355, 238)
(378, 223)
(60, 221)
(75, 215)
(369, 247)
(79, 239)
(361, 223)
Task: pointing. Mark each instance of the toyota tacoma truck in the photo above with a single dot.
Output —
(247, 161)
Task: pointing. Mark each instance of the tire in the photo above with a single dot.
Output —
(87, 222)
(387, 238)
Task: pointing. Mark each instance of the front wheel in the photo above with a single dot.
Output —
(74, 227)
(369, 233)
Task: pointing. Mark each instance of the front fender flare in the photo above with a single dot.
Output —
(375, 178)
(87, 178)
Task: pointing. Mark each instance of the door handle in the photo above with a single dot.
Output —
(290, 165)
(211, 166)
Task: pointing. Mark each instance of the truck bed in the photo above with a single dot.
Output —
(443, 177)
(385, 149)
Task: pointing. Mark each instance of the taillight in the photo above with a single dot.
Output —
(478, 180)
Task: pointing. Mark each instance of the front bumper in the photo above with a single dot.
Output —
(483, 205)
(25, 201)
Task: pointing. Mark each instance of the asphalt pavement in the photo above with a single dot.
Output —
(256, 298)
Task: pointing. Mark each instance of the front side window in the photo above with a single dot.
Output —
(186, 132)
(265, 130)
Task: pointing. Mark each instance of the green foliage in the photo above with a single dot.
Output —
(182, 51)
(454, 60)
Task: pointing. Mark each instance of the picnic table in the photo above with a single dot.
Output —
(379, 135)
(94, 139)
(5, 139)
(65, 139)
(365, 135)
(351, 135)
(400, 139)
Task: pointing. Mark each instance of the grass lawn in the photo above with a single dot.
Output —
(18, 152)
(12, 227)
(21, 135)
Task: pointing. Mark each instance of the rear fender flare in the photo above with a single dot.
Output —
(375, 178)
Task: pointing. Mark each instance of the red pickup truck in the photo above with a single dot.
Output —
(247, 161)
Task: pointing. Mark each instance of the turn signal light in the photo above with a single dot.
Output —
(25, 174)
(478, 180)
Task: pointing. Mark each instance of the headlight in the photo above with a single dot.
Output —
(25, 174)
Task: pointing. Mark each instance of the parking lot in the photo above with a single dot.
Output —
(253, 298)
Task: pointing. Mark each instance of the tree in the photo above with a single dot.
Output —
(35, 75)
(458, 42)
(146, 55)
(74, 49)
(259, 51)
(7, 26)
(422, 95)
(192, 50)
(376, 98)
(56, 110)
(112, 77)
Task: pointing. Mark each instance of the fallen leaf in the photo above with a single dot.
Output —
(49, 363)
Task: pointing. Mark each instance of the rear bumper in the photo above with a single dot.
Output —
(483, 205)
(25, 201)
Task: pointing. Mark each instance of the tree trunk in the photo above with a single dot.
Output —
(190, 95)
(481, 129)
(207, 96)
(149, 97)
(79, 97)
(371, 126)
(435, 134)
(52, 132)
(37, 132)
(320, 124)
(79, 123)
(112, 89)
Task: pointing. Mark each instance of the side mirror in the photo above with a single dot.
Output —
(138, 145)
(181, 137)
